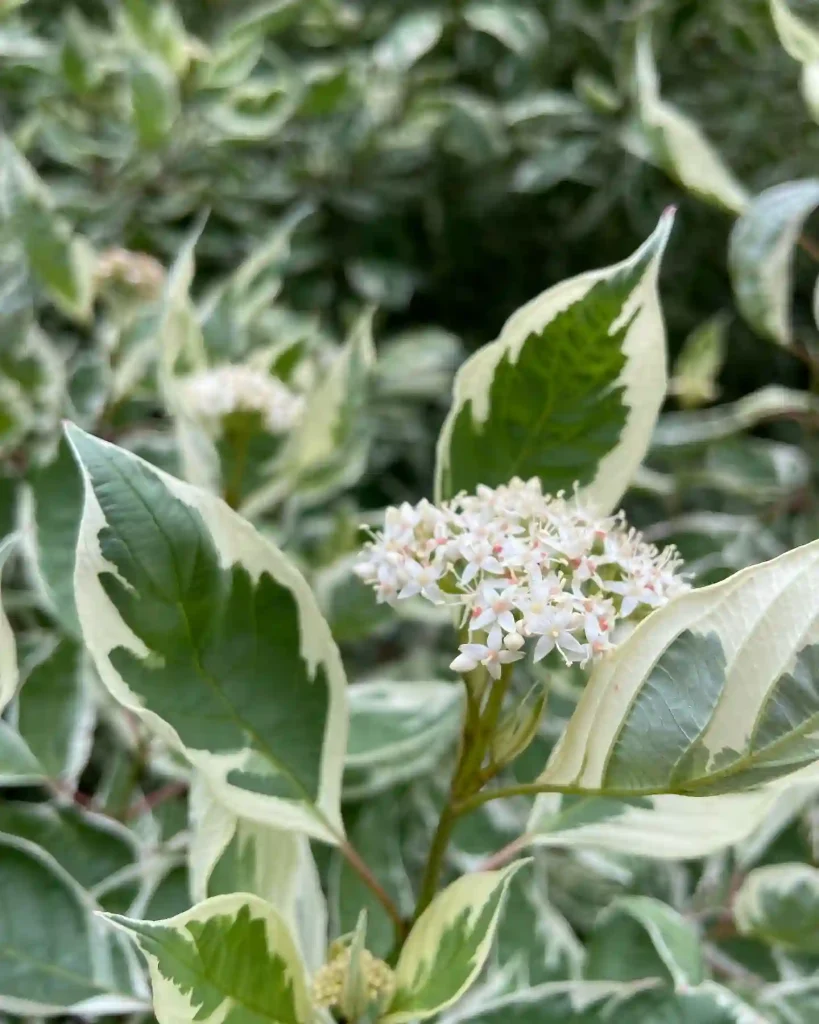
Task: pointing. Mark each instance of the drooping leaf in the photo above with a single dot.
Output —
(55, 955)
(659, 943)
(779, 903)
(677, 144)
(408, 40)
(397, 731)
(570, 390)
(760, 255)
(716, 692)
(801, 42)
(209, 635)
(448, 945)
(231, 955)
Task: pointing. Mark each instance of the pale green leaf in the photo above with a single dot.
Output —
(698, 365)
(154, 96)
(327, 451)
(398, 731)
(677, 144)
(55, 956)
(779, 903)
(799, 40)
(51, 512)
(56, 713)
(411, 37)
(570, 390)
(227, 854)
(795, 1001)
(760, 255)
(554, 1002)
(61, 262)
(518, 28)
(185, 609)
(448, 945)
(714, 693)
(18, 766)
(9, 674)
(230, 959)
(660, 943)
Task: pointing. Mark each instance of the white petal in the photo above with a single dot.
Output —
(410, 590)
(463, 663)
(544, 646)
(486, 616)
(495, 639)
(507, 621)
(493, 667)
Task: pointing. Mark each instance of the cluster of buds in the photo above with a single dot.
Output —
(331, 985)
(517, 564)
(212, 395)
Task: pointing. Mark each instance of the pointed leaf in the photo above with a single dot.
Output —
(569, 391)
(760, 255)
(448, 945)
(714, 693)
(678, 144)
(205, 630)
(229, 959)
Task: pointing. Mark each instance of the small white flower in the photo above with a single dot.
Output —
(492, 654)
(423, 579)
(480, 557)
(554, 629)
(495, 607)
(210, 395)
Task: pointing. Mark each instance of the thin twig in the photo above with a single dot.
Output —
(153, 800)
(506, 853)
(363, 871)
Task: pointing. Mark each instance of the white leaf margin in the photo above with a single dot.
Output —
(9, 670)
(237, 542)
(172, 1006)
(644, 377)
(470, 892)
(763, 616)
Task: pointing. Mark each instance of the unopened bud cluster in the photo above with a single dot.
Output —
(330, 982)
(520, 564)
(135, 270)
(211, 395)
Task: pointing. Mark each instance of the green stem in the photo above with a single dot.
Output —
(435, 860)
(477, 800)
(239, 443)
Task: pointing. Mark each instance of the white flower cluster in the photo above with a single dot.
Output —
(210, 395)
(521, 564)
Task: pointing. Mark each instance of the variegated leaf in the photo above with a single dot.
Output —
(56, 957)
(716, 692)
(760, 255)
(448, 945)
(779, 903)
(205, 630)
(677, 144)
(60, 261)
(227, 854)
(56, 713)
(51, 512)
(327, 451)
(229, 959)
(570, 390)
(669, 827)
(9, 674)
(660, 941)
(801, 42)
(398, 731)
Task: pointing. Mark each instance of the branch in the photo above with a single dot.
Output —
(357, 863)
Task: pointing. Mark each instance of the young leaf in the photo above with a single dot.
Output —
(397, 731)
(56, 957)
(203, 629)
(227, 854)
(230, 958)
(699, 363)
(801, 42)
(713, 693)
(779, 903)
(55, 712)
(61, 262)
(9, 674)
(760, 255)
(678, 144)
(569, 391)
(448, 945)
(641, 937)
